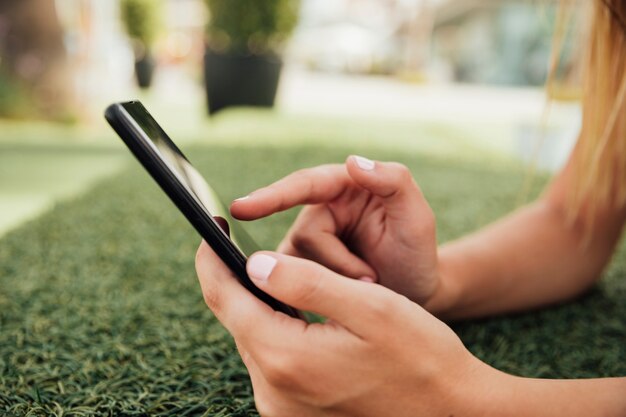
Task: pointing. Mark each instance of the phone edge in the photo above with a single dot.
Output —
(232, 256)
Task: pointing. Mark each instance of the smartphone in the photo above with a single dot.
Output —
(187, 189)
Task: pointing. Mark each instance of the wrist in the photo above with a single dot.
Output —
(448, 291)
(495, 393)
(478, 389)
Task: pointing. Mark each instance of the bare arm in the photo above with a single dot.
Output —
(372, 221)
(516, 396)
(378, 355)
(369, 220)
(526, 260)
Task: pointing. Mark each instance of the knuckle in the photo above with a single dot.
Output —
(200, 254)
(382, 306)
(429, 219)
(348, 268)
(282, 371)
(389, 310)
(301, 173)
(243, 353)
(303, 241)
(303, 176)
(212, 299)
(402, 173)
(209, 291)
(427, 224)
(287, 247)
(310, 289)
(405, 177)
(265, 405)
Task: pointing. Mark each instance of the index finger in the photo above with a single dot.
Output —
(308, 186)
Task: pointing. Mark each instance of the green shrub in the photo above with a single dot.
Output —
(251, 26)
(15, 102)
(142, 19)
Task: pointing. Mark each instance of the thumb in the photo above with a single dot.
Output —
(392, 182)
(309, 286)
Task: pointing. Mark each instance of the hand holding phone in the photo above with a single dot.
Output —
(186, 188)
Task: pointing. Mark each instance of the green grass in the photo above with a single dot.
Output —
(42, 162)
(34, 176)
(101, 313)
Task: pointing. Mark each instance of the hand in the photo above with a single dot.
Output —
(379, 354)
(365, 220)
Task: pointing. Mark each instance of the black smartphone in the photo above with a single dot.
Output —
(187, 189)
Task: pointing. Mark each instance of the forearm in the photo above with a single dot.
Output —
(509, 396)
(527, 260)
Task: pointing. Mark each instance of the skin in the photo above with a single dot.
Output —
(384, 351)
(503, 268)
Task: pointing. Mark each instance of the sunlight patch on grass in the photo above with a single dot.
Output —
(33, 178)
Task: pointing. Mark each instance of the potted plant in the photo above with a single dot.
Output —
(142, 19)
(242, 62)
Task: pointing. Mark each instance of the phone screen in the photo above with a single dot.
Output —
(186, 174)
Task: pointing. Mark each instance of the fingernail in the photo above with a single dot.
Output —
(366, 279)
(364, 163)
(261, 266)
(242, 198)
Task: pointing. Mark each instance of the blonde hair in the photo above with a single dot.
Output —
(599, 159)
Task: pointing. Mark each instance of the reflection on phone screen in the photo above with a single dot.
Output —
(187, 175)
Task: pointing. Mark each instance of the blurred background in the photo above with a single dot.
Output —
(459, 78)
(100, 310)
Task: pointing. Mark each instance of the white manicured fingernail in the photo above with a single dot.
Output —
(364, 163)
(243, 198)
(260, 267)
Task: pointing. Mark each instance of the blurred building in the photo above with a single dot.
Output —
(474, 41)
(358, 36)
(496, 41)
(98, 50)
(101, 53)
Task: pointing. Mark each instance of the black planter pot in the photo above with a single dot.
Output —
(240, 80)
(144, 70)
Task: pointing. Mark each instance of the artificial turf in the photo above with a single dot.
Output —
(101, 313)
